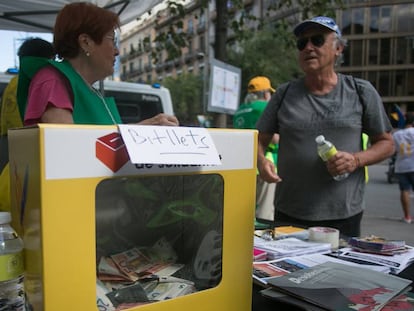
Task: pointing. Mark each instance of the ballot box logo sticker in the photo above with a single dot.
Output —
(111, 151)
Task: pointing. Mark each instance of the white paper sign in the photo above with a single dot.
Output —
(169, 145)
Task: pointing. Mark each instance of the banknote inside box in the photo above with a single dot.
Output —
(167, 228)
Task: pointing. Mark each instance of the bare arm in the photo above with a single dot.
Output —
(382, 147)
(266, 167)
(57, 115)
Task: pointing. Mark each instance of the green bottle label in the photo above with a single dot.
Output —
(331, 152)
(11, 266)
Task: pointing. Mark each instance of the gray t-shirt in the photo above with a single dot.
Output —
(307, 190)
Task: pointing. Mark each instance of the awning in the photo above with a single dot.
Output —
(40, 15)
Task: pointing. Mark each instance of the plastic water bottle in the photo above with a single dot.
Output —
(12, 295)
(326, 150)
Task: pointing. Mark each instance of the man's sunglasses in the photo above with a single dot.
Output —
(316, 40)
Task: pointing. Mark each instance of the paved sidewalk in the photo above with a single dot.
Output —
(383, 211)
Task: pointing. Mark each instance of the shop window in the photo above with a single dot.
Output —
(404, 17)
(374, 19)
(384, 84)
(399, 83)
(411, 49)
(149, 228)
(357, 55)
(385, 24)
(373, 52)
(346, 22)
(401, 50)
(385, 48)
(372, 77)
(410, 82)
(358, 20)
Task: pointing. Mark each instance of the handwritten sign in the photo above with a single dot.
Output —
(169, 145)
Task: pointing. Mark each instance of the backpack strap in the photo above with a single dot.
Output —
(359, 95)
(282, 98)
(363, 142)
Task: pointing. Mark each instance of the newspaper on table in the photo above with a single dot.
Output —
(290, 247)
(396, 262)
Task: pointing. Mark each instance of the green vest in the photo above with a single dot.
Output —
(88, 106)
(246, 117)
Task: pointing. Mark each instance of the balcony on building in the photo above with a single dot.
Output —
(188, 57)
(148, 67)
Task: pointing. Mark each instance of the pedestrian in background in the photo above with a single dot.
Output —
(259, 92)
(404, 164)
(10, 116)
(327, 103)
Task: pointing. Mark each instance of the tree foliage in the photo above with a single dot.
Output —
(233, 15)
(265, 53)
(265, 45)
(186, 93)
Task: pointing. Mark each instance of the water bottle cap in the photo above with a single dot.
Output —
(320, 139)
(5, 217)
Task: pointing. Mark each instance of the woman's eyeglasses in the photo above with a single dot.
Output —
(316, 40)
(114, 40)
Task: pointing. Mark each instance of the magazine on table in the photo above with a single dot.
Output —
(376, 244)
(403, 302)
(264, 270)
(338, 286)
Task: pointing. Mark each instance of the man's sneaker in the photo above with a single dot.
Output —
(407, 220)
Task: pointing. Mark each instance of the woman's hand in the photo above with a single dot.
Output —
(161, 119)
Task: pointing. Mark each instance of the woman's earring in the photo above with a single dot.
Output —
(87, 53)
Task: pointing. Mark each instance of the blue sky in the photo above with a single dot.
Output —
(11, 41)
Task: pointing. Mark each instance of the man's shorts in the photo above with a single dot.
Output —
(406, 181)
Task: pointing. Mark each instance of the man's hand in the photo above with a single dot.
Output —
(267, 171)
(342, 162)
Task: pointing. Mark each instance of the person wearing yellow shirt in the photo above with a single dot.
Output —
(10, 116)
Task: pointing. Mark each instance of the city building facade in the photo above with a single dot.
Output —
(380, 49)
(140, 64)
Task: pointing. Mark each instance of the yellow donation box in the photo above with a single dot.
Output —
(102, 233)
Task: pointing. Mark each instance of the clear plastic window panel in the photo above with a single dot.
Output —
(157, 238)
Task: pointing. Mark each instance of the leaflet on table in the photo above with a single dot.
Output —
(396, 263)
(290, 247)
(264, 270)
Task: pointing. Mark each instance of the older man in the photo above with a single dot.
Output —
(327, 103)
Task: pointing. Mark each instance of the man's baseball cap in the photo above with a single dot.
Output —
(324, 21)
(258, 84)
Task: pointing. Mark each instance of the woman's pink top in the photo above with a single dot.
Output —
(47, 88)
